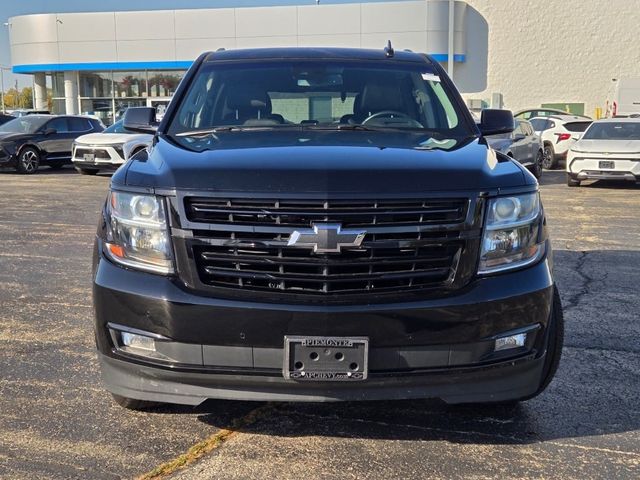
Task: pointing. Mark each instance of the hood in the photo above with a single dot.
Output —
(12, 136)
(608, 146)
(323, 163)
(111, 138)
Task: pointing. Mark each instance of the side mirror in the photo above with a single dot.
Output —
(140, 119)
(519, 136)
(50, 131)
(493, 122)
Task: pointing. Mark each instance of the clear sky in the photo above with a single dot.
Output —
(11, 8)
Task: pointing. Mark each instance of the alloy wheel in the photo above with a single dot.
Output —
(29, 160)
(539, 165)
(547, 160)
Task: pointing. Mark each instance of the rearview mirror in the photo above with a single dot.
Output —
(140, 119)
(494, 122)
(50, 131)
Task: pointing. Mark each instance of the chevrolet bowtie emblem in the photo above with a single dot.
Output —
(326, 238)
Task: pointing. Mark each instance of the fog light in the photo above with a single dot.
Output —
(138, 342)
(512, 341)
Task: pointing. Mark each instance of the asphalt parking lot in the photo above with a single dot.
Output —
(57, 422)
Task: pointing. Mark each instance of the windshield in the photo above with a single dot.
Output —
(613, 131)
(326, 95)
(539, 124)
(117, 127)
(27, 124)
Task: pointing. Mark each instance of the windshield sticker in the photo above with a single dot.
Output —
(430, 77)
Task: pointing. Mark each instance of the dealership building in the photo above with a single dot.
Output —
(518, 53)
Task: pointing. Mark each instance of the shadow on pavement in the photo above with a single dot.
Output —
(559, 177)
(46, 171)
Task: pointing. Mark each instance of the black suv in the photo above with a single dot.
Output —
(323, 224)
(33, 140)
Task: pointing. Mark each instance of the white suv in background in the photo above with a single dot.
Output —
(608, 150)
(558, 133)
(107, 150)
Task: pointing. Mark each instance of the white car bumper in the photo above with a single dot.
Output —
(97, 155)
(584, 166)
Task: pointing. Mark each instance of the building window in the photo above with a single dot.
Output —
(164, 84)
(107, 95)
(121, 106)
(98, 107)
(57, 85)
(130, 84)
(58, 106)
(96, 84)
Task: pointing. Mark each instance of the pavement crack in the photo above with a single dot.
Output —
(574, 298)
(603, 349)
(510, 438)
(381, 423)
(207, 445)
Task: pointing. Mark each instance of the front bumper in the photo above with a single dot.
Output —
(495, 383)
(8, 157)
(99, 165)
(581, 168)
(104, 156)
(433, 348)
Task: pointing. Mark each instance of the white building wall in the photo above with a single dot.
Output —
(181, 35)
(547, 51)
(531, 51)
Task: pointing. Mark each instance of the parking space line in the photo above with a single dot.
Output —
(207, 445)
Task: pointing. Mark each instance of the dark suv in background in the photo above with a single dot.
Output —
(316, 224)
(33, 140)
(522, 144)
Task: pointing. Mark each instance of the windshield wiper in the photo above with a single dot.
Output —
(232, 128)
(344, 126)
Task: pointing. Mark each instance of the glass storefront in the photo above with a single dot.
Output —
(107, 95)
(130, 84)
(99, 107)
(95, 84)
(164, 84)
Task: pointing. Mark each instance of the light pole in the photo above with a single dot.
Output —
(2, 86)
(2, 69)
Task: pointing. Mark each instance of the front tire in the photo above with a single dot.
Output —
(537, 167)
(549, 161)
(554, 343)
(87, 171)
(28, 161)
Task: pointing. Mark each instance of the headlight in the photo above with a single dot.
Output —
(119, 148)
(137, 235)
(512, 236)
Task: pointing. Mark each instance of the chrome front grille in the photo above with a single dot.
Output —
(98, 152)
(302, 213)
(242, 244)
